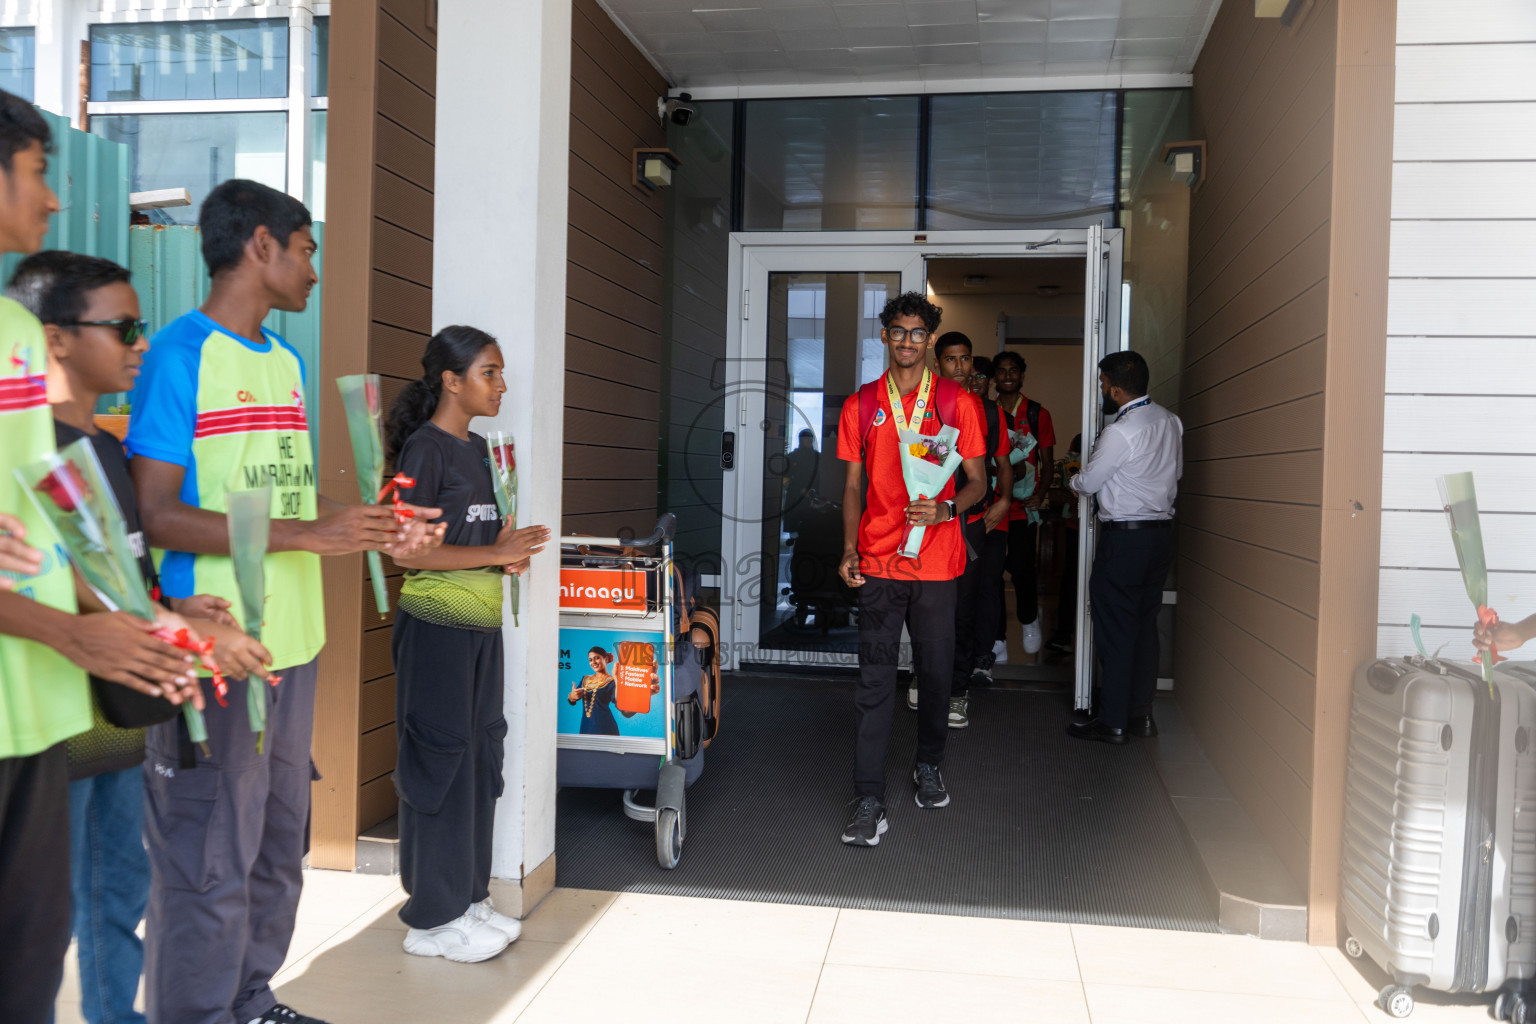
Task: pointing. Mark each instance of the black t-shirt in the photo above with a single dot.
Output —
(105, 747)
(114, 463)
(454, 476)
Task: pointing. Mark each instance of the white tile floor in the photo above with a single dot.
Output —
(592, 956)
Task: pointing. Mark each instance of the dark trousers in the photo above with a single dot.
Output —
(34, 883)
(978, 606)
(448, 717)
(1066, 605)
(1021, 566)
(226, 843)
(928, 609)
(1126, 591)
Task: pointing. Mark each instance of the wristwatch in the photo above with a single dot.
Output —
(953, 512)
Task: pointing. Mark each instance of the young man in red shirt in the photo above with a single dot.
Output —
(895, 589)
(978, 608)
(1025, 418)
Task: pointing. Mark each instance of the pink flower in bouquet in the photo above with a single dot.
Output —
(65, 486)
(506, 458)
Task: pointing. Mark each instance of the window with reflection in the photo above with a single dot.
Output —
(840, 164)
(321, 58)
(1013, 160)
(18, 66)
(201, 60)
(197, 151)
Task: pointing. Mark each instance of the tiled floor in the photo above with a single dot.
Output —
(602, 957)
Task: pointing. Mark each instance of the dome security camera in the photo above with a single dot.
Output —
(677, 109)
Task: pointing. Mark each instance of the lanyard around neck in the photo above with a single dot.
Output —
(924, 391)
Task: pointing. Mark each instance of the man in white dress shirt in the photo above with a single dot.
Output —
(1134, 473)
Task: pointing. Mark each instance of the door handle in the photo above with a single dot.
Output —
(728, 450)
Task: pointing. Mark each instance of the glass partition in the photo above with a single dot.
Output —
(846, 164)
(1012, 160)
(18, 64)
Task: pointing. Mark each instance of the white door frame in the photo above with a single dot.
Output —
(754, 255)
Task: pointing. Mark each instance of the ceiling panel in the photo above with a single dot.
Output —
(803, 42)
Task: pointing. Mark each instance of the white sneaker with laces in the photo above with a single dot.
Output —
(486, 911)
(1032, 637)
(1000, 652)
(464, 940)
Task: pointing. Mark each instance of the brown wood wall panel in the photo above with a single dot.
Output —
(402, 202)
(1290, 529)
(376, 753)
(407, 104)
(377, 310)
(370, 618)
(1300, 320)
(1293, 478)
(377, 707)
(613, 283)
(604, 329)
(1253, 387)
(1288, 378)
(407, 155)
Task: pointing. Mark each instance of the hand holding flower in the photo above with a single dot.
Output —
(16, 555)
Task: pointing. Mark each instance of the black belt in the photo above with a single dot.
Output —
(1136, 524)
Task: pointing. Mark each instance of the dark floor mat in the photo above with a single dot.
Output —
(1041, 826)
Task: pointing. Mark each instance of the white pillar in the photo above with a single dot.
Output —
(301, 38)
(498, 263)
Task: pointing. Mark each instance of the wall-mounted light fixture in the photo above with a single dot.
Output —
(1187, 161)
(654, 167)
(1288, 11)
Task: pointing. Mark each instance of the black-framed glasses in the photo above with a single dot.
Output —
(899, 334)
(128, 331)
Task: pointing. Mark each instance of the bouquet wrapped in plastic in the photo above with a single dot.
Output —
(504, 481)
(1459, 496)
(928, 461)
(249, 518)
(1021, 443)
(365, 425)
(70, 491)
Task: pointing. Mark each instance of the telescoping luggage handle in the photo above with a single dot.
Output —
(666, 526)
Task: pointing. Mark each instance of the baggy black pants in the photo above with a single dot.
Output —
(978, 603)
(1126, 591)
(928, 609)
(34, 883)
(448, 717)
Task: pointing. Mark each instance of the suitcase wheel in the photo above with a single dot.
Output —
(669, 838)
(1353, 949)
(1397, 1000)
(1504, 1005)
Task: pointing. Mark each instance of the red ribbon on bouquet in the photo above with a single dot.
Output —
(403, 515)
(1487, 618)
(204, 650)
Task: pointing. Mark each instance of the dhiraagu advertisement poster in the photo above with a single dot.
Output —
(610, 683)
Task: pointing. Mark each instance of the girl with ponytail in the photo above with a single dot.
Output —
(448, 652)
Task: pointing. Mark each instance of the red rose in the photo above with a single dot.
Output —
(65, 486)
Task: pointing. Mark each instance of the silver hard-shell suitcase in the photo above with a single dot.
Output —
(1439, 865)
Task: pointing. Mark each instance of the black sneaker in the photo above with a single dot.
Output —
(281, 1014)
(959, 712)
(868, 823)
(930, 786)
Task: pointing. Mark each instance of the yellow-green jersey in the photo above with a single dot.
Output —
(44, 698)
(230, 411)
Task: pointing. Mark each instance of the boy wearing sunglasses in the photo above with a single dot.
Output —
(96, 343)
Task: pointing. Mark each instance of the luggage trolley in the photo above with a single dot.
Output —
(628, 684)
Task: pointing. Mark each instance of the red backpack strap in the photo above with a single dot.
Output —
(946, 395)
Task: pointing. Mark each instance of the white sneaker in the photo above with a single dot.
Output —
(1000, 652)
(912, 697)
(486, 911)
(1032, 637)
(464, 940)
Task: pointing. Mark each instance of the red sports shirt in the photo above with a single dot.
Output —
(942, 556)
(1046, 439)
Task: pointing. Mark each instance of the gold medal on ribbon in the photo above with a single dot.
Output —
(924, 396)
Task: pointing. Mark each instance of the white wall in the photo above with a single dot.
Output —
(498, 263)
(1461, 321)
